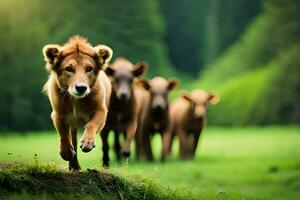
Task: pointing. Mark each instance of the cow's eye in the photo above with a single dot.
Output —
(69, 69)
(89, 69)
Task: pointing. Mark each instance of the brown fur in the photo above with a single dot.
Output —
(153, 115)
(122, 115)
(188, 118)
(79, 93)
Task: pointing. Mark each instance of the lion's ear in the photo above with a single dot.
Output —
(51, 54)
(104, 53)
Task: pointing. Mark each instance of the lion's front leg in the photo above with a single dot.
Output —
(96, 124)
(66, 148)
(73, 163)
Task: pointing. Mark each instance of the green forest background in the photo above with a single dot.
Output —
(247, 50)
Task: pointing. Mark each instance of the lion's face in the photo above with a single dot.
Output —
(77, 73)
(76, 65)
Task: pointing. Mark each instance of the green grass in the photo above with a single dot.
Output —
(231, 163)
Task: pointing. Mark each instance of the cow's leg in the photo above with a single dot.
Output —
(147, 146)
(105, 148)
(166, 141)
(117, 145)
(183, 143)
(138, 146)
(195, 143)
(129, 133)
(171, 143)
(139, 142)
(73, 163)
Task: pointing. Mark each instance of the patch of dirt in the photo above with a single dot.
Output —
(6, 165)
(15, 179)
(76, 183)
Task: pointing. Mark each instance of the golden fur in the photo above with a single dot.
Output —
(188, 117)
(79, 93)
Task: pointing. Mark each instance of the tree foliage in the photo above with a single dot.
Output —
(135, 31)
(258, 76)
(251, 58)
(200, 31)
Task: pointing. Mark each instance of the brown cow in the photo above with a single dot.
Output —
(188, 118)
(153, 109)
(79, 93)
(122, 115)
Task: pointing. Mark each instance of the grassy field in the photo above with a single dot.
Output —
(231, 163)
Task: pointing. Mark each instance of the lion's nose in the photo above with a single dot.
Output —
(80, 88)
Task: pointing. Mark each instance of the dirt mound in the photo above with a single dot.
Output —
(18, 180)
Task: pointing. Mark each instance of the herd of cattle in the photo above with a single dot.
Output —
(85, 90)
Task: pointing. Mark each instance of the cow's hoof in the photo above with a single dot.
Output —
(87, 144)
(106, 165)
(74, 168)
(125, 153)
(67, 154)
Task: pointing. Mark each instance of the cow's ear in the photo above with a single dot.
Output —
(51, 55)
(109, 71)
(213, 98)
(140, 69)
(145, 84)
(104, 53)
(186, 96)
(173, 84)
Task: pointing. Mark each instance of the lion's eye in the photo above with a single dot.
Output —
(89, 69)
(69, 69)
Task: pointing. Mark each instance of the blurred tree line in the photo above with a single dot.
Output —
(233, 46)
(199, 31)
(259, 75)
(135, 30)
